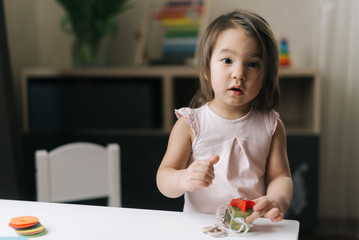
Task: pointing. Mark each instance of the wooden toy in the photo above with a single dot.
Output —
(284, 58)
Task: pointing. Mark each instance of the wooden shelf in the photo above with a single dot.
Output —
(299, 108)
(300, 100)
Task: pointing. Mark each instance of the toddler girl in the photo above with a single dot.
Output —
(231, 143)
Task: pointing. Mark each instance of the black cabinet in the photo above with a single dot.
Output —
(303, 154)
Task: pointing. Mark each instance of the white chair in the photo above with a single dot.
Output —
(79, 171)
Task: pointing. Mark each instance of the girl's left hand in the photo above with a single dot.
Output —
(266, 207)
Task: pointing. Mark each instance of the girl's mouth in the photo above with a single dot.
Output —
(235, 91)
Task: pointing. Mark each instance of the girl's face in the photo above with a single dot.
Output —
(235, 70)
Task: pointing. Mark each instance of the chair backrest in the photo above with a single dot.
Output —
(79, 171)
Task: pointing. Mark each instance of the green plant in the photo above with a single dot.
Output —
(90, 21)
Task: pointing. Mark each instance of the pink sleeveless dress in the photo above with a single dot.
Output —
(242, 144)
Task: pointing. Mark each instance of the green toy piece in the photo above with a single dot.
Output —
(237, 212)
(233, 213)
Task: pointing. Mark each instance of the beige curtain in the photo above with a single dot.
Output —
(338, 59)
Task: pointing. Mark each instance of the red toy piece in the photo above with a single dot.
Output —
(242, 203)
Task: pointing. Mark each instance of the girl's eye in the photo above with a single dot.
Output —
(227, 61)
(253, 64)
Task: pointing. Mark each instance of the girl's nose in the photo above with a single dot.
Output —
(238, 74)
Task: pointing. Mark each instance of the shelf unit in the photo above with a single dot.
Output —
(299, 108)
(300, 100)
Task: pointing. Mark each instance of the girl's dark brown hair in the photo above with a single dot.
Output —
(255, 26)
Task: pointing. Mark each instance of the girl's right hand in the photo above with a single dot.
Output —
(199, 174)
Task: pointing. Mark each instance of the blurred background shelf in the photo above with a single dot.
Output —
(158, 90)
(135, 108)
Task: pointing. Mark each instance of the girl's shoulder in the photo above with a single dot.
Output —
(270, 117)
(189, 112)
(267, 113)
(273, 114)
(191, 116)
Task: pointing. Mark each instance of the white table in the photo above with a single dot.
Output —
(70, 221)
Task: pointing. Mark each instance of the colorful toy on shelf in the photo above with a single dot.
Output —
(180, 20)
(284, 58)
(231, 219)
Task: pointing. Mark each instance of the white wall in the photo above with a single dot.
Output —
(289, 18)
(54, 46)
(36, 39)
(22, 37)
(41, 41)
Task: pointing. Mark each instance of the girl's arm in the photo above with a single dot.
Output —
(279, 181)
(174, 178)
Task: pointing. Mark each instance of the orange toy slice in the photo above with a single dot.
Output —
(23, 222)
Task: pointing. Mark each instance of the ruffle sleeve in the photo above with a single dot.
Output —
(273, 118)
(188, 115)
